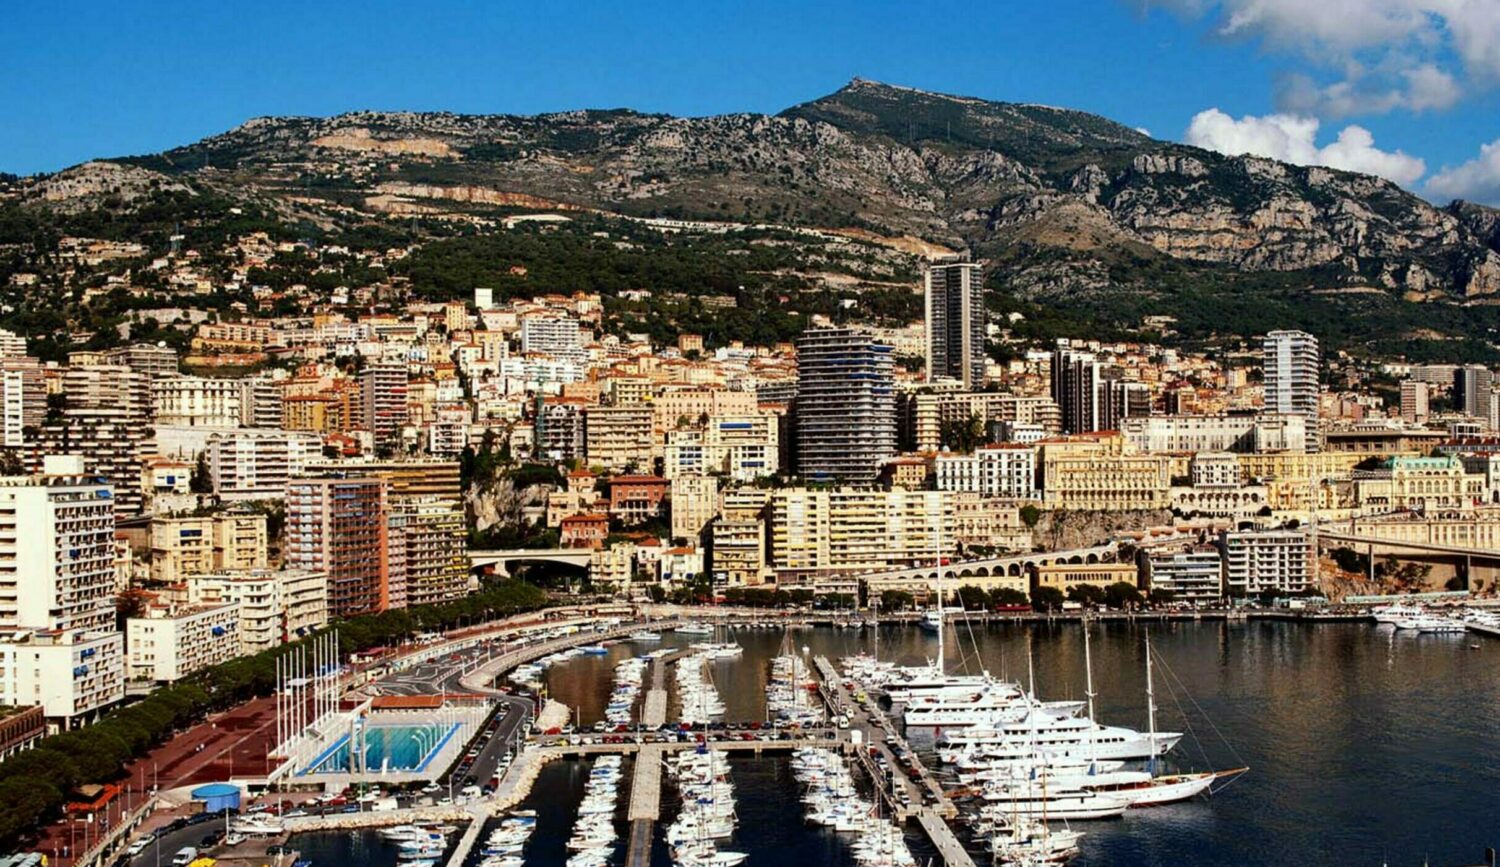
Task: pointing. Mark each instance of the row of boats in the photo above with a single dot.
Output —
(695, 690)
(707, 815)
(790, 693)
(832, 800)
(1418, 619)
(506, 844)
(531, 673)
(630, 674)
(593, 840)
(423, 845)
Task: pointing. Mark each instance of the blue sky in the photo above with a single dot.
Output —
(1418, 81)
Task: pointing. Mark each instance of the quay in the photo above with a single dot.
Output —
(925, 799)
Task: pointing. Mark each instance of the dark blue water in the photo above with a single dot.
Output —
(1366, 747)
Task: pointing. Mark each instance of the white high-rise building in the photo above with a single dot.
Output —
(59, 647)
(956, 321)
(1291, 363)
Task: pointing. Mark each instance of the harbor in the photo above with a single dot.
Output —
(735, 691)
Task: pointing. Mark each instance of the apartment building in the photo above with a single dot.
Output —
(1194, 576)
(275, 606)
(383, 389)
(1005, 470)
(338, 526)
(694, 503)
(23, 400)
(619, 438)
(1291, 363)
(193, 401)
(845, 410)
(1233, 432)
(255, 464)
(109, 441)
(169, 642)
(1266, 561)
(59, 647)
(955, 321)
(818, 532)
(432, 540)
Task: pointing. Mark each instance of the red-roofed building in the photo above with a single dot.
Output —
(585, 531)
(633, 499)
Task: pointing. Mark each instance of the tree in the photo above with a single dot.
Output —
(896, 600)
(201, 481)
(1007, 596)
(1086, 594)
(1122, 594)
(962, 435)
(1030, 515)
(973, 598)
(1160, 596)
(1046, 599)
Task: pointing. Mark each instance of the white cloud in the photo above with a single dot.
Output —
(1385, 54)
(1293, 139)
(1477, 180)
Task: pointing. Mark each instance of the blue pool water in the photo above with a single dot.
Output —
(387, 747)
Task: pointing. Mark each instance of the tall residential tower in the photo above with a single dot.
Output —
(955, 322)
(845, 406)
(1291, 363)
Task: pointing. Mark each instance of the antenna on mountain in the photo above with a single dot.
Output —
(176, 238)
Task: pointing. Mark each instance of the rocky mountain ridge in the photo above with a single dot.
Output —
(1063, 203)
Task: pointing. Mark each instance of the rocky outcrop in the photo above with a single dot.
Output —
(91, 184)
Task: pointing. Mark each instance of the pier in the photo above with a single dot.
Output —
(654, 711)
(645, 804)
(942, 837)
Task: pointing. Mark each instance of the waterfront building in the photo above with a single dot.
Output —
(816, 532)
(168, 642)
(1266, 561)
(1291, 363)
(845, 409)
(1066, 576)
(956, 321)
(338, 526)
(1194, 576)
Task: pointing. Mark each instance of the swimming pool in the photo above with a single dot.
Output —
(386, 748)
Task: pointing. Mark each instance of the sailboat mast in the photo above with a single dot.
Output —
(1088, 691)
(937, 542)
(1150, 707)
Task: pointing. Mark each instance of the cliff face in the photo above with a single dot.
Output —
(1065, 202)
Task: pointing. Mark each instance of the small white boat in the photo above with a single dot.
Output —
(645, 635)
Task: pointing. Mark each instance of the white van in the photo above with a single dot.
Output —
(185, 856)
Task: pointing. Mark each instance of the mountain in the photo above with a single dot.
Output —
(1066, 206)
